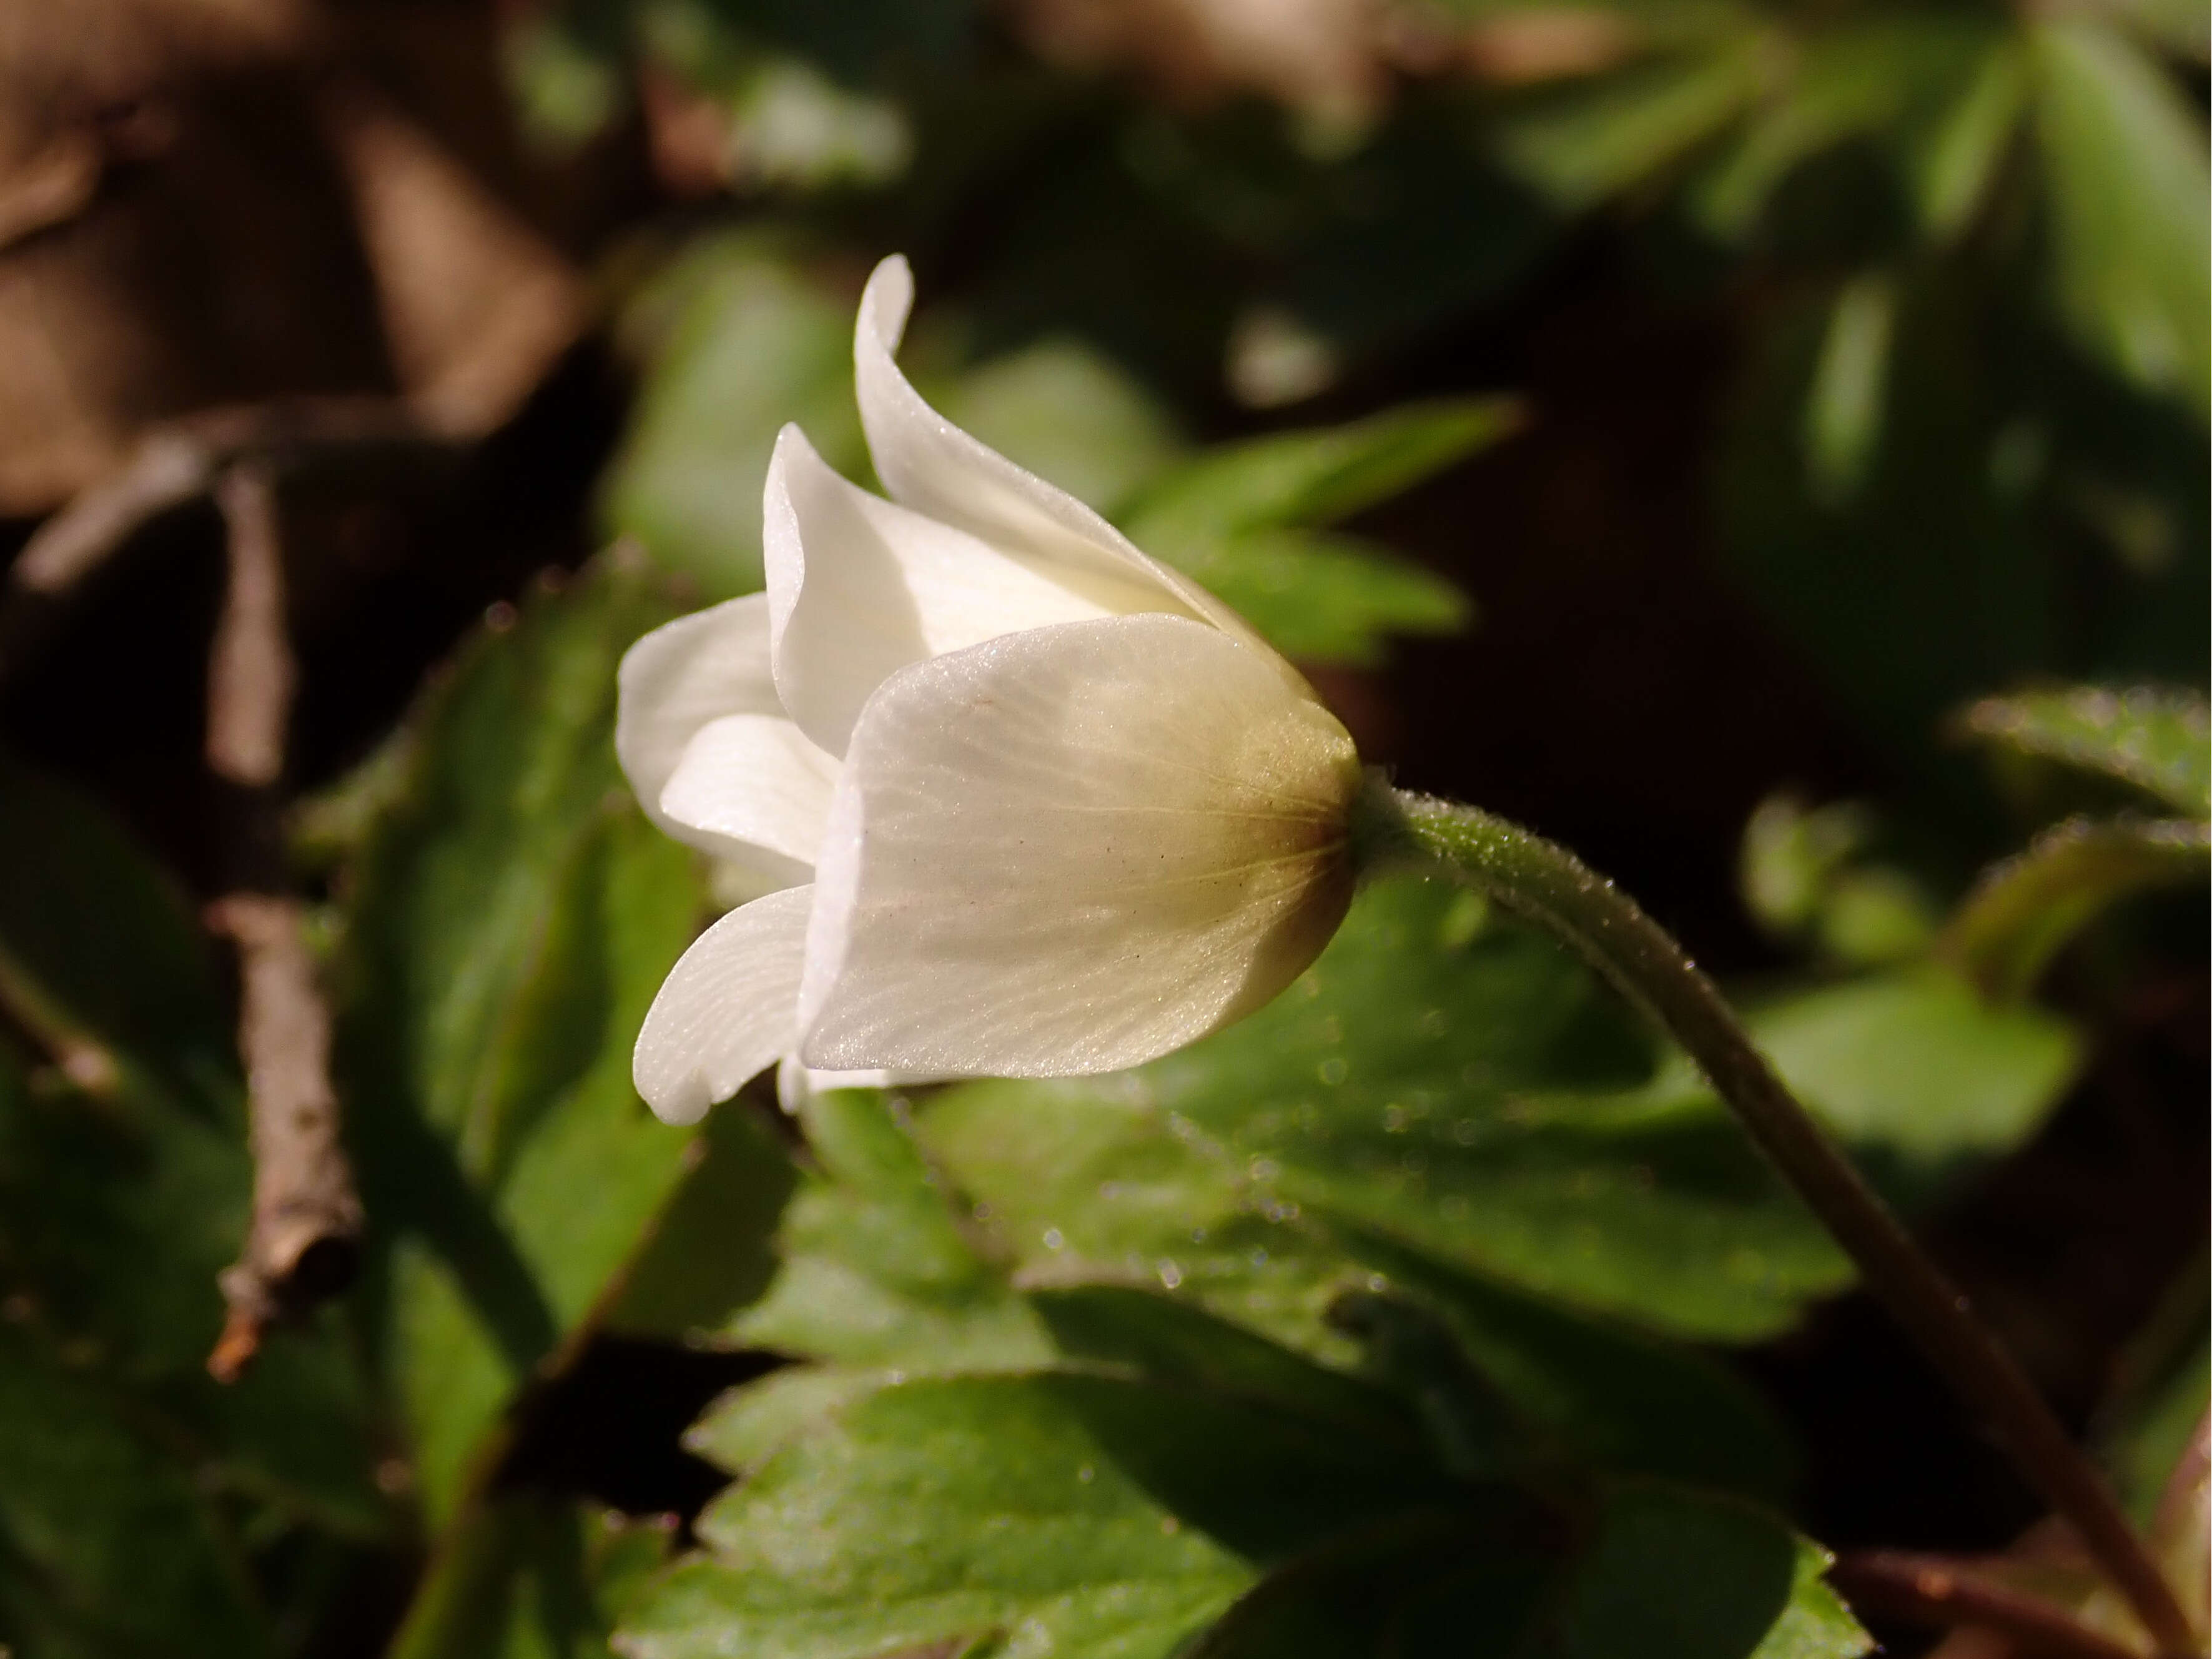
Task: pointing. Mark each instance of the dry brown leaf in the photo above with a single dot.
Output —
(475, 305)
(1320, 56)
(188, 222)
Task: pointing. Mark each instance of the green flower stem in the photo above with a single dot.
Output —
(1549, 885)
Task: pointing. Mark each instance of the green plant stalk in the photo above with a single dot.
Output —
(1549, 885)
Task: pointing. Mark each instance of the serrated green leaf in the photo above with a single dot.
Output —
(1674, 1574)
(1130, 1518)
(2131, 206)
(1102, 1517)
(1169, 1341)
(747, 343)
(1665, 1572)
(2158, 741)
(2024, 910)
(507, 924)
(876, 1268)
(1458, 1088)
(1605, 1394)
(1429, 1584)
(750, 1424)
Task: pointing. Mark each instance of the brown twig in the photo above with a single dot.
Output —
(1945, 1593)
(179, 463)
(306, 1229)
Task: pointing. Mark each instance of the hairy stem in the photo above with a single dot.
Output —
(1549, 885)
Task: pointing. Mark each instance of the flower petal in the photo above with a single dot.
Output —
(676, 680)
(753, 789)
(930, 464)
(860, 586)
(724, 1013)
(1072, 849)
(795, 1084)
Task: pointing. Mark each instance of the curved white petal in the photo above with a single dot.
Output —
(676, 680)
(930, 464)
(1072, 849)
(755, 790)
(860, 586)
(725, 1012)
(796, 1083)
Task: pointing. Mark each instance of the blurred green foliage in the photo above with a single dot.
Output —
(1393, 1319)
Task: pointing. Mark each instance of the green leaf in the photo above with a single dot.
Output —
(1915, 1061)
(1605, 1394)
(2130, 209)
(1804, 878)
(116, 1215)
(1462, 1089)
(506, 925)
(1323, 598)
(141, 1504)
(1672, 1574)
(1664, 1572)
(2157, 741)
(1959, 157)
(750, 1424)
(1844, 407)
(1580, 147)
(1952, 568)
(1123, 1515)
(1872, 80)
(2155, 1443)
(1174, 1474)
(566, 86)
(100, 958)
(2157, 1395)
(526, 1578)
(1429, 1584)
(1792, 854)
(1088, 1513)
(108, 1544)
(711, 1249)
(875, 1269)
(1069, 415)
(1313, 477)
(744, 343)
(2024, 910)
(785, 123)
(1148, 1335)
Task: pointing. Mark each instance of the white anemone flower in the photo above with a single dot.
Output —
(1021, 800)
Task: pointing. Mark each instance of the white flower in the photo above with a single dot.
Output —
(1023, 801)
